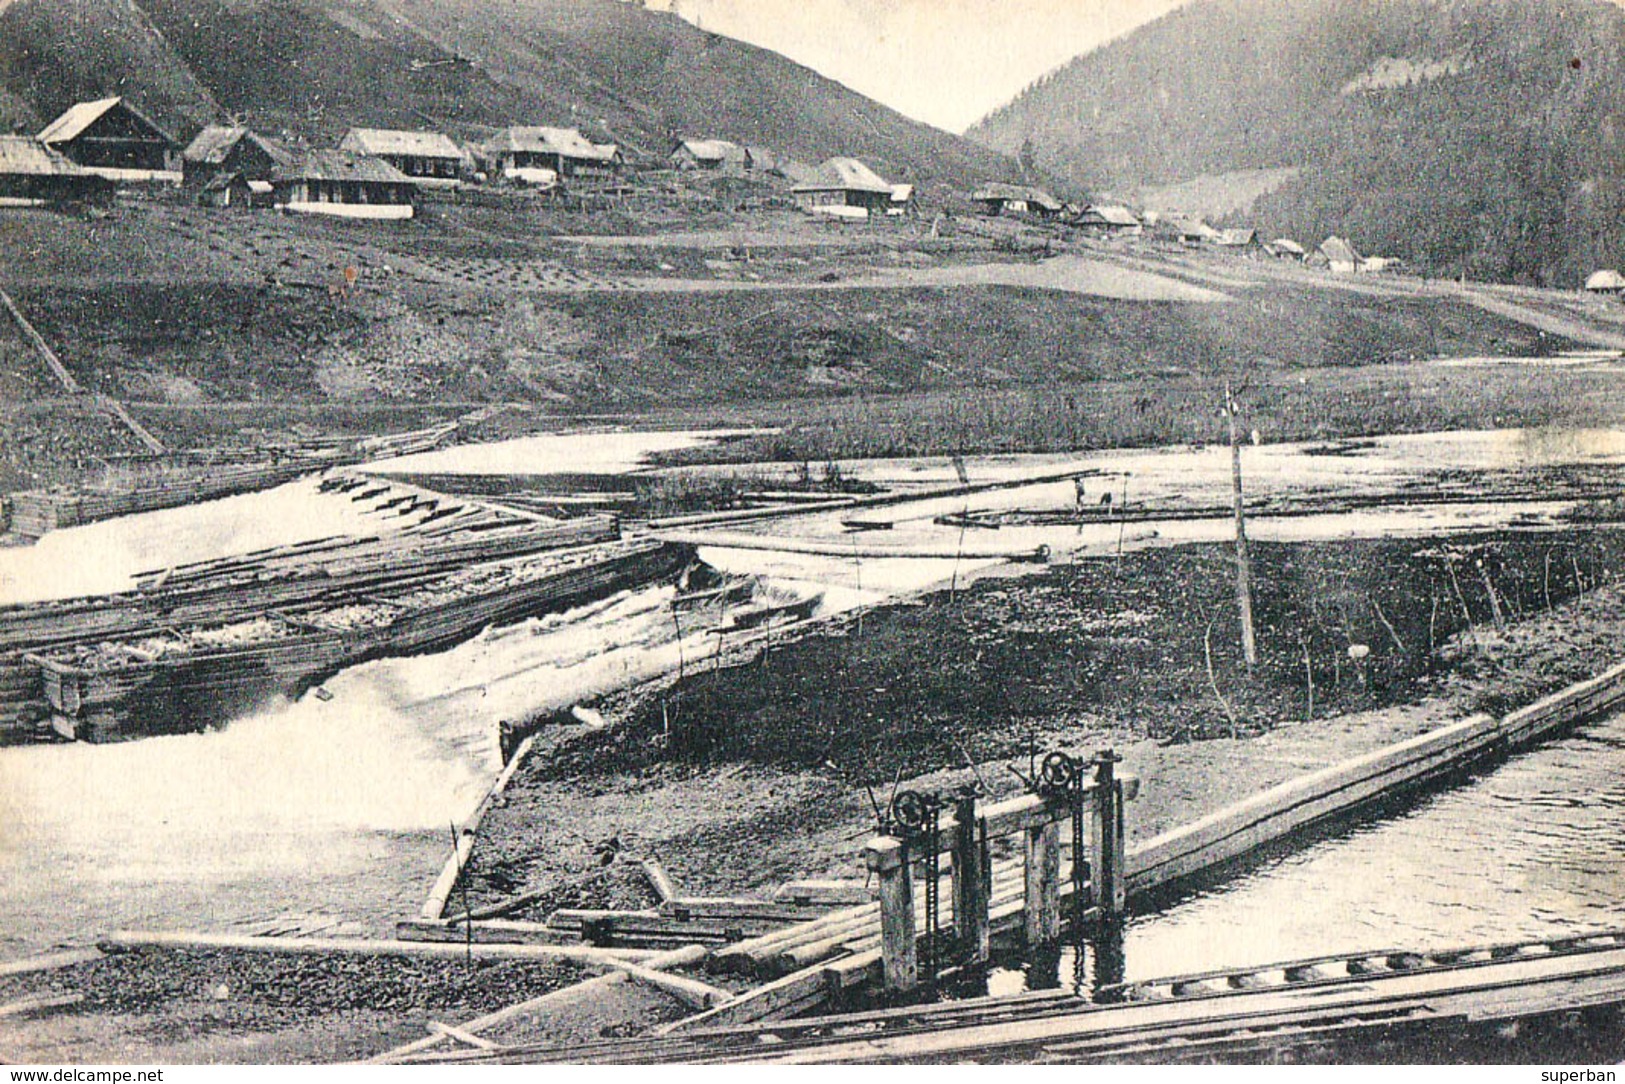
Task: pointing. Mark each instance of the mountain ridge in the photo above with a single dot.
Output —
(1483, 138)
(309, 69)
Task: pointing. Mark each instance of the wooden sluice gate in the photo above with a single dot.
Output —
(898, 945)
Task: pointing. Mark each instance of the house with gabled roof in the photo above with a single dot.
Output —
(1239, 241)
(222, 149)
(996, 198)
(710, 156)
(1338, 255)
(113, 138)
(34, 175)
(1109, 218)
(531, 153)
(428, 159)
(343, 184)
(843, 183)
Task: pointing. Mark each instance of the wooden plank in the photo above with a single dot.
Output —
(465, 1037)
(659, 879)
(27, 1006)
(781, 997)
(831, 893)
(688, 954)
(124, 940)
(50, 961)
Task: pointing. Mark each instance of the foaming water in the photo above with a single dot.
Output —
(104, 557)
(341, 801)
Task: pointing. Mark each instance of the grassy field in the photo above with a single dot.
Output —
(214, 326)
(1311, 404)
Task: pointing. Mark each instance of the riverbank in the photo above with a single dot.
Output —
(574, 823)
(753, 770)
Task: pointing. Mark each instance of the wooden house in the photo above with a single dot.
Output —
(236, 192)
(1606, 281)
(220, 150)
(1239, 242)
(762, 160)
(1339, 256)
(532, 154)
(344, 184)
(997, 198)
(1284, 248)
(33, 175)
(1109, 218)
(843, 183)
(428, 159)
(710, 156)
(113, 138)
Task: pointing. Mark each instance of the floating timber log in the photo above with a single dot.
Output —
(126, 940)
(110, 689)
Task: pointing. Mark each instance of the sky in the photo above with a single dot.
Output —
(946, 62)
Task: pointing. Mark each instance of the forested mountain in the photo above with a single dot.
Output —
(1477, 137)
(313, 68)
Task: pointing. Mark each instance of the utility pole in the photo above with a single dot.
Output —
(1244, 568)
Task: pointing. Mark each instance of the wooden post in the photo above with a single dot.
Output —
(970, 884)
(1244, 568)
(1110, 887)
(899, 956)
(1042, 912)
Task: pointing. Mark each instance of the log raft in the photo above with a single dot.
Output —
(110, 689)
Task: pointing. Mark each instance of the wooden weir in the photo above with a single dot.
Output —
(807, 965)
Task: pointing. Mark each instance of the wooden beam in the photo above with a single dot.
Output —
(588, 956)
(899, 948)
(689, 954)
(50, 961)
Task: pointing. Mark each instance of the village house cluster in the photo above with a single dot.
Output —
(378, 173)
(382, 173)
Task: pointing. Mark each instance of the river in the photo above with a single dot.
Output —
(342, 802)
(1529, 848)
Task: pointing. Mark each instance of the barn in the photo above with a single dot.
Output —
(113, 138)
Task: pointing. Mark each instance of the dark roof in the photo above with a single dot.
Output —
(82, 115)
(341, 166)
(25, 154)
(212, 145)
(998, 190)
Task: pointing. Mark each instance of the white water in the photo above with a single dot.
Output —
(557, 453)
(104, 557)
(345, 805)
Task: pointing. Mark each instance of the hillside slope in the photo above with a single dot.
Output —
(1477, 137)
(312, 68)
